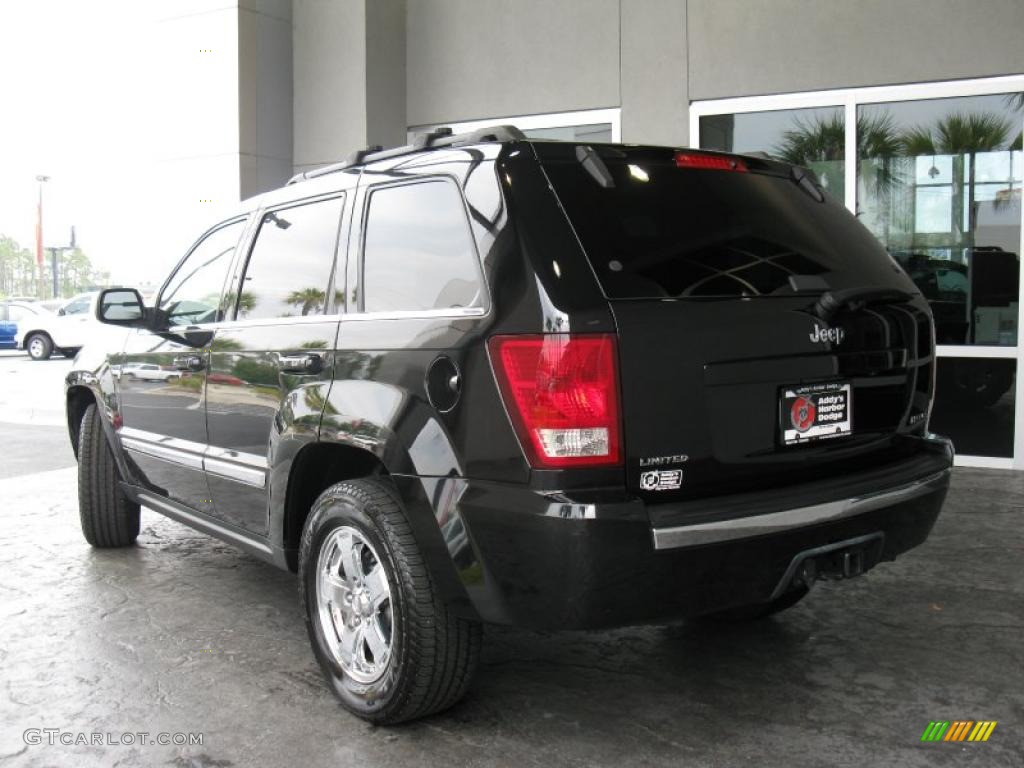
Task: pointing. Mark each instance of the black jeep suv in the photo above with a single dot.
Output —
(487, 379)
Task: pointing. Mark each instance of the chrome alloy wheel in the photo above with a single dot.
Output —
(354, 603)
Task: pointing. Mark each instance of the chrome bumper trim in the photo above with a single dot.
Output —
(777, 522)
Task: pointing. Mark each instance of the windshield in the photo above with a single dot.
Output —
(652, 229)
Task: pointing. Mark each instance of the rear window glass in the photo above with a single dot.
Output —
(652, 229)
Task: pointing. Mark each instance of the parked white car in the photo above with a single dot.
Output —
(64, 332)
(144, 372)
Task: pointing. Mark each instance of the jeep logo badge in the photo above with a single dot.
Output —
(823, 334)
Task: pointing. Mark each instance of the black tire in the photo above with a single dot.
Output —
(760, 610)
(109, 518)
(39, 346)
(69, 352)
(433, 654)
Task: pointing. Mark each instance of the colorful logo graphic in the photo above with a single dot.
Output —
(958, 730)
(803, 413)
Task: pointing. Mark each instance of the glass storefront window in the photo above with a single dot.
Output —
(814, 138)
(939, 183)
(975, 404)
(599, 133)
(939, 169)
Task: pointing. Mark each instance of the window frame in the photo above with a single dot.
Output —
(850, 99)
(241, 264)
(244, 218)
(611, 115)
(367, 197)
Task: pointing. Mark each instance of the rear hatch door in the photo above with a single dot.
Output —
(765, 337)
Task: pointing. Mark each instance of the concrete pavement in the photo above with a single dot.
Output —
(184, 634)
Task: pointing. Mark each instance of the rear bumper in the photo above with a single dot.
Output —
(551, 562)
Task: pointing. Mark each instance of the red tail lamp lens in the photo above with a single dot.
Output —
(562, 392)
(710, 162)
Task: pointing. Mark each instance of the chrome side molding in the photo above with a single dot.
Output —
(245, 468)
(777, 522)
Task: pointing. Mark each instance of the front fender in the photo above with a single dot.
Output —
(85, 385)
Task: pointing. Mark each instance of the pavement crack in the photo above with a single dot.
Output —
(9, 755)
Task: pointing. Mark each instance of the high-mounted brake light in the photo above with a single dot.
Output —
(710, 162)
(562, 393)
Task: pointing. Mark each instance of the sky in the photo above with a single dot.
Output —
(95, 97)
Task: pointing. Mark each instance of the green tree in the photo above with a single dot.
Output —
(17, 268)
(820, 143)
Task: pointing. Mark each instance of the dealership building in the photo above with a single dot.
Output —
(910, 112)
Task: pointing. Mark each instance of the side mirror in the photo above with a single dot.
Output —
(121, 306)
(61, 312)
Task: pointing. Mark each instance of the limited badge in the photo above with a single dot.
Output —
(661, 480)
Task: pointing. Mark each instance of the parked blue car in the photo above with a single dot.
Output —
(11, 313)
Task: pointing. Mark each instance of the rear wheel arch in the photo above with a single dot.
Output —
(321, 465)
(316, 468)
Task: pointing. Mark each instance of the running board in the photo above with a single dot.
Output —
(254, 545)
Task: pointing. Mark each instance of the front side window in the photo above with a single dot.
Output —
(193, 295)
(290, 264)
(418, 253)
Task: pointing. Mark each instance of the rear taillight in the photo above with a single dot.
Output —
(562, 393)
(710, 162)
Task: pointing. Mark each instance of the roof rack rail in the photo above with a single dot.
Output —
(436, 139)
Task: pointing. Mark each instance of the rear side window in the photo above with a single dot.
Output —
(290, 264)
(418, 253)
(652, 229)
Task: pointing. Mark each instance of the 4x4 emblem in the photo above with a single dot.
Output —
(824, 334)
(661, 480)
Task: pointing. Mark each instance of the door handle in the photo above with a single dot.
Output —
(305, 363)
(189, 363)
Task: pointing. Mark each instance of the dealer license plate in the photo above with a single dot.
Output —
(815, 412)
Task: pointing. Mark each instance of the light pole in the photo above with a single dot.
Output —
(39, 236)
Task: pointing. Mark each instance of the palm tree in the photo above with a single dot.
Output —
(1016, 102)
(307, 298)
(813, 142)
(823, 139)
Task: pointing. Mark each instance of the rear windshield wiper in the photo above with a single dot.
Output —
(594, 165)
(805, 179)
(831, 302)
